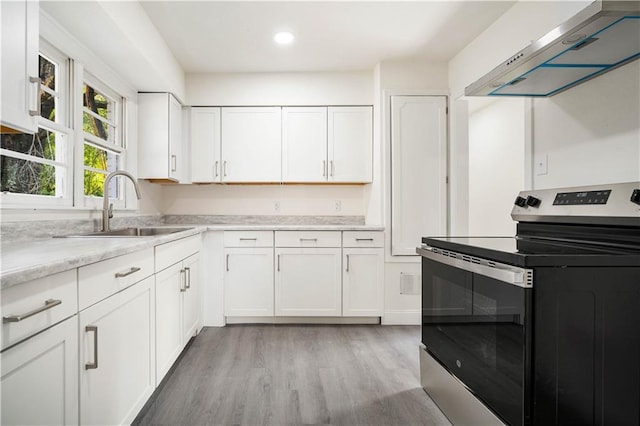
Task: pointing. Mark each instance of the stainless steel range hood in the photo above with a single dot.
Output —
(601, 37)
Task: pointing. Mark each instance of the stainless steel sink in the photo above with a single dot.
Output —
(128, 232)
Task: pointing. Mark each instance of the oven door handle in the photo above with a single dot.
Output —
(509, 274)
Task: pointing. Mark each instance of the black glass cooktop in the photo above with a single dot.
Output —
(527, 252)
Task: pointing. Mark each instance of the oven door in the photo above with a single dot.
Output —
(476, 322)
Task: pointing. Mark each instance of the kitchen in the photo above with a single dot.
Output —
(586, 135)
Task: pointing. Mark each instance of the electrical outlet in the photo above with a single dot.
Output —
(338, 205)
(276, 206)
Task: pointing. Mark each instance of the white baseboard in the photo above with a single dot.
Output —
(303, 320)
(407, 317)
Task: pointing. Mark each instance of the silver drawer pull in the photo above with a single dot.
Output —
(48, 304)
(364, 239)
(248, 239)
(187, 284)
(127, 273)
(309, 239)
(93, 365)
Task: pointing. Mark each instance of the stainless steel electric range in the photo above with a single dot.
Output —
(542, 328)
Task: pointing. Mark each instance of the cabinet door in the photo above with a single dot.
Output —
(159, 137)
(40, 378)
(205, 144)
(308, 282)
(117, 356)
(251, 144)
(362, 282)
(176, 160)
(350, 144)
(248, 282)
(169, 331)
(304, 144)
(191, 297)
(418, 171)
(20, 77)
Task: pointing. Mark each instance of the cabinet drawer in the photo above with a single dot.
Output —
(39, 296)
(102, 279)
(362, 239)
(173, 252)
(308, 239)
(248, 239)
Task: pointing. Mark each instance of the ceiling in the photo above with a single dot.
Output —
(236, 36)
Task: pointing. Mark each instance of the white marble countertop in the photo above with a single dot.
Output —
(29, 260)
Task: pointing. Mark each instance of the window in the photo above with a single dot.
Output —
(102, 138)
(35, 169)
(80, 139)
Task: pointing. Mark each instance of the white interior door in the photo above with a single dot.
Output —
(418, 171)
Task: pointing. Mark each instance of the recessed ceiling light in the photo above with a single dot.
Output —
(283, 37)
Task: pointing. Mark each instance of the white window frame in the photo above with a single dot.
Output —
(118, 146)
(63, 128)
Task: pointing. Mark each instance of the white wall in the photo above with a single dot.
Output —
(300, 200)
(127, 41)
(590, 134)
(239, 89)
(496, 156)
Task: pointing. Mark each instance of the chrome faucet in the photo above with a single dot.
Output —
(107, 208)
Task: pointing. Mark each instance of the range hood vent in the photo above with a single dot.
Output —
(601, 37)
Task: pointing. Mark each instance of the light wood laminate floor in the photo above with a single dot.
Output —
(296, 374)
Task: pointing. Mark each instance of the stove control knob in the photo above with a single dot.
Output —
(520, 201)
(533, 201)
(635, 196)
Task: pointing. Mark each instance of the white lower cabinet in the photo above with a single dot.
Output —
(40, 378)
(117, 356)
(169, 288)
(308, 282)
(362, 282)
(248, 281)
(178, 301)
(191, 297)
(178, 307)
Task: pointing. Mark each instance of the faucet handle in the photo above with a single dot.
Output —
(110, 210)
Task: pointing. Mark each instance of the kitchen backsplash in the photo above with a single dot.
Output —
(33, 230)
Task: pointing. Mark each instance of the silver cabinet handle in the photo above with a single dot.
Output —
(174, 163)
(348, 263)
(48, 304)
(215, 169)
(224, 168)
(183, 280)
(324, 167)
(188, 277)
(278, 263)
(36, 112)
(332, 168)
(227, 263)
(93, 365)
(132, 270)
(364, 239)
(309, 239)
(248, 239)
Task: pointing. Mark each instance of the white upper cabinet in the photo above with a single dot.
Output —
(160, 137)
(304, 144)
(205, 145)
(350, 144)
(251, 144)
(20, 77)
